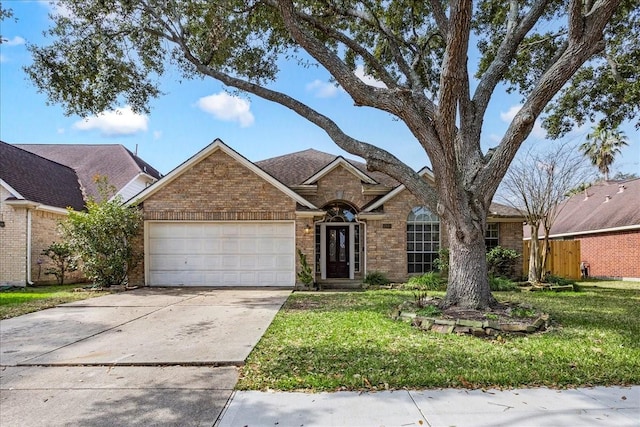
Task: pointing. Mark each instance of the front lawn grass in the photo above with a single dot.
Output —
(347, 341)
(18, 301)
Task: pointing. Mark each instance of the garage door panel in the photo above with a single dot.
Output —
(221, 254)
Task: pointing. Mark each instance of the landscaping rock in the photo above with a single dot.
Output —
(478, 332)
(470, 323)
(513, 327)
(442, 329)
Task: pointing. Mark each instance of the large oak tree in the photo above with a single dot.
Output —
(558, 53)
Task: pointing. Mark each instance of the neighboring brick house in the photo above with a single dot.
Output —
(35, 192)
(605, 218)
(219, 219)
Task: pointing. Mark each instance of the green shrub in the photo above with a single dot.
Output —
(430, 281)
(63, 258)
(502, 284)
(501, 262)
(376, 278)
(557, 280)
(305, 275)
(442, 262)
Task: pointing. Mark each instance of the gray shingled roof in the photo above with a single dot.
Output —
(295, 168)
(88, 160)
(594, 211)
(38, 179)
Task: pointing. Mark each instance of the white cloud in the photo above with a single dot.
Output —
(507, 117)
(57, 8)
(323, 89)
(3, 58)
(122, 121)
(227, 108)
(366, 78)
(157, 134)
(16, 41)
(60, 131)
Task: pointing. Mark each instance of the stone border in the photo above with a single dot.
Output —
(473, 327)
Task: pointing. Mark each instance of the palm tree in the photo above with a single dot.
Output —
(602, 146)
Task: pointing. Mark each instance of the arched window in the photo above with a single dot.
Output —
(423, 240)
(340, 212)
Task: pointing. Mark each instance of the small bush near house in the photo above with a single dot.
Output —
(501, 262)
(430, 281)
(64, 260)
(502, 284)
(102, 237)
(557, 280)
(376, 278)
(305, 275)
(442, 262)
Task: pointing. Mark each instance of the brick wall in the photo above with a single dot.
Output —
(219, 188)
(43, 233)
(615, 255)
(510, 236)
(13, 243)
(387, 238)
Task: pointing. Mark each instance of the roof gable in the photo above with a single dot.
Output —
(339, 162)
(206, 152)
(424, 172)
(114, 161)
(30, 177)
(296, 168)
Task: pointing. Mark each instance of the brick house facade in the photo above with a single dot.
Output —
(605, 218)
(346, 220)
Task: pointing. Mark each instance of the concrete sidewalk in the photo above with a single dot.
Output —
(139, 358)
(599, 406)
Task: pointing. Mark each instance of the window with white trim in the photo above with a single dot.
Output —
(492, 235)
(423, 240)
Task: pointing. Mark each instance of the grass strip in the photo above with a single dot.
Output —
(18, 301)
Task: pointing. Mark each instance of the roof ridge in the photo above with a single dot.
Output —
(44, 158)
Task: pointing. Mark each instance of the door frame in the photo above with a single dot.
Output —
(351, 243)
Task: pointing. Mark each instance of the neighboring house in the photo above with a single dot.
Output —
(605, 218)
(221, 220)
(127, 172)
(35, 192)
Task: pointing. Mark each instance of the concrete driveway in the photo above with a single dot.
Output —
(143, 357)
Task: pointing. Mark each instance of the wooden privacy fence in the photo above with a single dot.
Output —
(563, 259)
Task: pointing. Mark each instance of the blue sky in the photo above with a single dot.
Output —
(191, 114)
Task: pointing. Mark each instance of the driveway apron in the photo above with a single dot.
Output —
(142, 357)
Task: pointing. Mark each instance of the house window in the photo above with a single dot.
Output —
(423, 240)
(340, 212)
(492, 236)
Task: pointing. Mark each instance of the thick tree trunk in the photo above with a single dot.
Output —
(468, 279)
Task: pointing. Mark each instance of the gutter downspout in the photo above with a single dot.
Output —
(29, 282)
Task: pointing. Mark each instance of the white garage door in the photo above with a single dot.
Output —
(221, 254)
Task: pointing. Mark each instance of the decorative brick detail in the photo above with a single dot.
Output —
(612, 255)
(340, 184)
